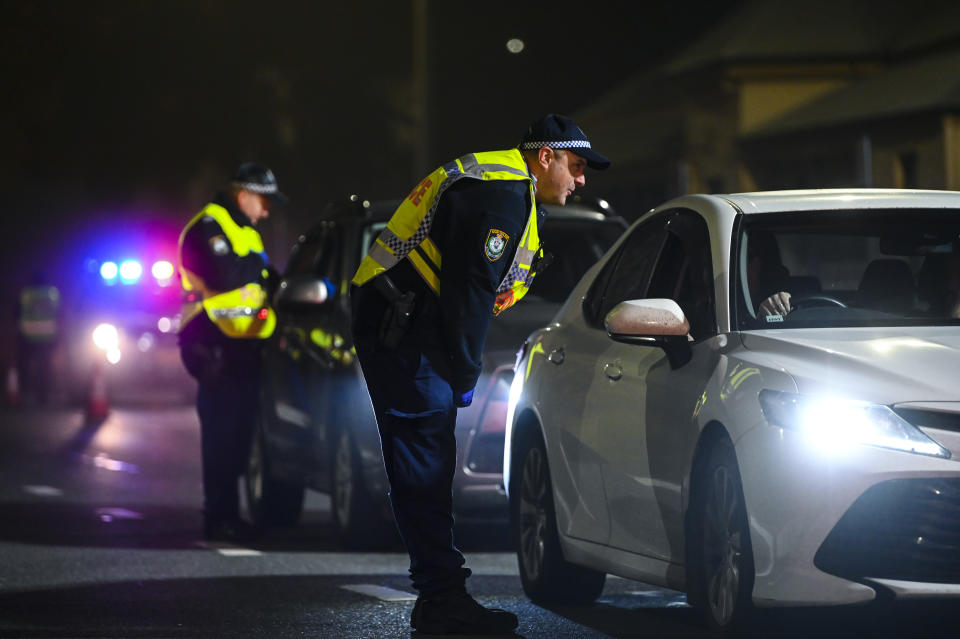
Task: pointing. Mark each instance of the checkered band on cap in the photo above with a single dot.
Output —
(258, 188)
(558, 144)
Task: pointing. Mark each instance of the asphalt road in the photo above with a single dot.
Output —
(100, 537)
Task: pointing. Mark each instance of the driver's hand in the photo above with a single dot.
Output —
(776, 304)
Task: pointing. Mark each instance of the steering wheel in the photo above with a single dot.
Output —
(814, 299)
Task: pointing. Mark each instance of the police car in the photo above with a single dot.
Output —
(121, 317)
(317, 428)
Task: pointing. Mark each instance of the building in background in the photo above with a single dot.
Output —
(784, 95)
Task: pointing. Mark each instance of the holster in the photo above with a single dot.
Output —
(397, 319)
(541, 262)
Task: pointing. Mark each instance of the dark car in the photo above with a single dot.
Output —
(317, 429)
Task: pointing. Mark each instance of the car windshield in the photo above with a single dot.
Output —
(849, 268)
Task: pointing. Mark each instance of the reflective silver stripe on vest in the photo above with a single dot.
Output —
(383, 257)
(523, 255)
(472, 167)
(496, 168)
(239, 311)
(470, 164)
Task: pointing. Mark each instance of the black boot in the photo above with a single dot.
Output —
(454, 612)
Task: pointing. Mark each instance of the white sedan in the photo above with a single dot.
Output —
(751, 398)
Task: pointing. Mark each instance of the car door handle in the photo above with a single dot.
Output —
(613, 371)
(556, 356)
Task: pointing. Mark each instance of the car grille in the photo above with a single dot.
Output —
(904, 529)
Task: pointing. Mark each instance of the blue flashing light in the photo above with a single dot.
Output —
(130, 271)
(109, 271)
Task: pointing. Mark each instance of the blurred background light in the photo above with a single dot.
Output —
(109, 270)
(515, 45)
(162, 270)
(130, 271)
(106, 337)
(146, 342)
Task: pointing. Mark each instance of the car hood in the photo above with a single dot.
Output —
(883, 365)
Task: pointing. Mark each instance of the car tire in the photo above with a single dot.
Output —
(720, 556)
(545, 574)
(271, 502)
(355, 511)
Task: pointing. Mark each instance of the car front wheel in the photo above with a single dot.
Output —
(545, 574)
(272, 502)
(356, 512)
(721, 557)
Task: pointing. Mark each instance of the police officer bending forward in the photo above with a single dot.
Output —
(226, 279)
(463, 244)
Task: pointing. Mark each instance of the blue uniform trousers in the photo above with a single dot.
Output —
(416, 418)
(227, 407)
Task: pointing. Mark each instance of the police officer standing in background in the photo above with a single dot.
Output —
(38, 320)
(227, 281)
(463, 245)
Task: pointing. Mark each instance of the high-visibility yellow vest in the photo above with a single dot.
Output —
(38, 313)
(243, 312)
(407, 234)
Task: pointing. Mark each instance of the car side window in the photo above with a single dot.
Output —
(303, 255)
(684, 272)
(627, 275)
(326, 261)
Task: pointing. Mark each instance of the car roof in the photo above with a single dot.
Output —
(840, 199)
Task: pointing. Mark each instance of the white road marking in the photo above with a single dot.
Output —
(43, 491)
(227, 549)
(381, 592)
(239, 552)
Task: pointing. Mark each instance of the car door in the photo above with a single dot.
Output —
(288, 363)
(575, 352)
(645, 409)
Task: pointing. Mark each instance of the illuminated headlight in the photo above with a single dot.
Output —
(833, 424)
(106, 337)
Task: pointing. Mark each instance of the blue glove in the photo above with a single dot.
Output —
(464, 400)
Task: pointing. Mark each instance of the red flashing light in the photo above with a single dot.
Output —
(263, 314)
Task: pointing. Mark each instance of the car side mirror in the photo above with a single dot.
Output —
(304, 291)
(652, 322)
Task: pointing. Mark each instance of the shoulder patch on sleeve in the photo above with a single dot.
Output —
(219, 245)
(495, 244)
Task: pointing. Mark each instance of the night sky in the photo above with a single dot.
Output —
(117, 112)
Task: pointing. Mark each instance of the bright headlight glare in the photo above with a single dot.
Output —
(835, 423)
(106, 337)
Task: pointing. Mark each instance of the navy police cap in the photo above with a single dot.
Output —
(257, 178)
(560, 132)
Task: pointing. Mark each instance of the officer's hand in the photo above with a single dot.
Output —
(463, 400)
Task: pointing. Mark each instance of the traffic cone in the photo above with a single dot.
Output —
(98, 406)
(13, 387)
